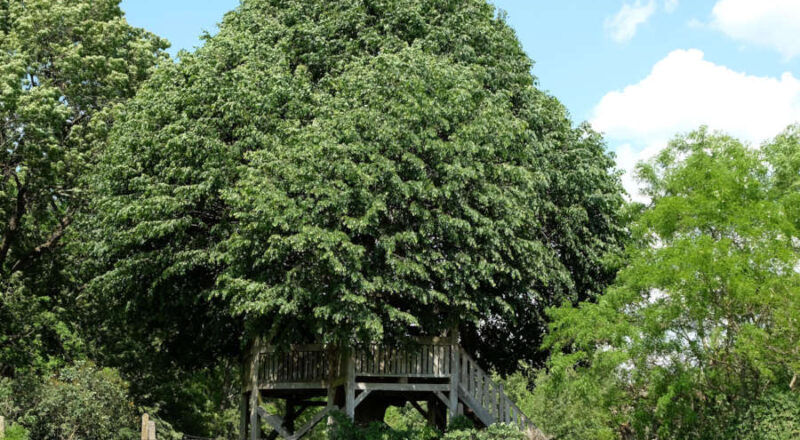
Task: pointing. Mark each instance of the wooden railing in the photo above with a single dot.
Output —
(487, 398)
(424, 360)
(303, 363)
(431, 358)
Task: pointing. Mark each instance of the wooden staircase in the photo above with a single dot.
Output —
(438, 370)
(485, 399)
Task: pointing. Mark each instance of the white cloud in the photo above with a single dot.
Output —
(684, 91)
(623, 25)
(768, 23)
(670, 5)
(627, 158)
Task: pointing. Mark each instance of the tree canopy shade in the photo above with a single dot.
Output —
(698, 337)
(345, 171)
(64, 66)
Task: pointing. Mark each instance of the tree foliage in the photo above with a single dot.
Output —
(347, 171)
(64, 66)
(79, 401)
(702, 322)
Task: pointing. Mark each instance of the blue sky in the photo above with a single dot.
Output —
(638, 70)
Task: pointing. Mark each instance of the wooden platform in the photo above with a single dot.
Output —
(434, 370)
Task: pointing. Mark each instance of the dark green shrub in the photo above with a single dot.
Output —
(494, 432)
(345, 429)
(460, 423)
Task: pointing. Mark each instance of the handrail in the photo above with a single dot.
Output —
(313, 363)
(480, 386)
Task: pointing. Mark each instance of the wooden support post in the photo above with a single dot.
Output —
(243, 417)
(331, 401)
(437, 413)
(255, 424)
(2, 427)
(350, 387)
(455, 374)
(145, 425)
(333, 362)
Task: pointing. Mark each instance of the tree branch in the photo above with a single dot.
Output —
(47, 246)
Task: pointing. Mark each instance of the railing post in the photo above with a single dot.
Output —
(455, 375)
(501, 404)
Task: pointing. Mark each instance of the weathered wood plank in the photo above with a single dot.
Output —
(311, 423)
(293, 385)
(442, 397)
(419, 409)
(275, 422)
(361, 398)
(411, 387)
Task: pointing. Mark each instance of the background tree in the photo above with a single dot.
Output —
(698, 337)
(349, 171)
(64, 66)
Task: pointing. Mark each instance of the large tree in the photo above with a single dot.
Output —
(352, 171)
(698, 338)
(64, 66)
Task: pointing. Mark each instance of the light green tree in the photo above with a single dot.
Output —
(701, 324)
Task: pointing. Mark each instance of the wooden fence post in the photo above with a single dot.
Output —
(151, 431)
(2, 427)
(145, 425)
(148, 428)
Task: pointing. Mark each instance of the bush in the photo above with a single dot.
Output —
(460, 428)
(16, 432)
(80, 401)
(345, 429)
(494, 432)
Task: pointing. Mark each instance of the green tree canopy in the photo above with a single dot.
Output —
(346, 171)
(63, 67)
(699, 335)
